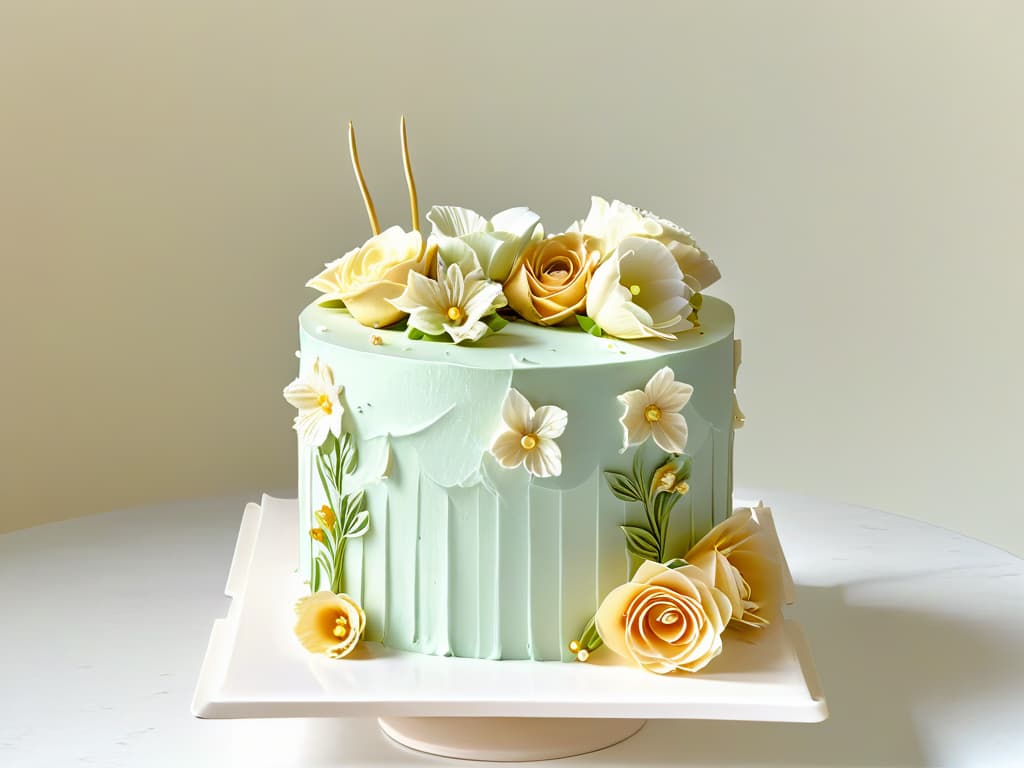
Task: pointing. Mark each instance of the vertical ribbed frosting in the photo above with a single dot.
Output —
(465, 557)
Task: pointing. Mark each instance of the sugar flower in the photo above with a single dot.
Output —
(329, 623)
(317, 397)
(454, 303)
(743, 559)
(654, 411)
(548, 285)
(671, 476)
(615, 221)
(639, 292)
(529, 436)
(368, 277)
(463, 236)
(665, 619)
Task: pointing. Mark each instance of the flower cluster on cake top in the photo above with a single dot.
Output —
(619, 271)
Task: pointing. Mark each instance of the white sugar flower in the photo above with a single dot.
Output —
(463, 235)
(529, 436)
(639, 292)
(317, 398)
(654, 411)
(615, 221)
(452, 304)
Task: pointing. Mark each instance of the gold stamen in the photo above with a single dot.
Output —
(529, 442)
(410, 181)
(455, 313)
(652, 413)
(325, 404)
(367, 200)
(634, 289)
(574, 646)
(683, 488)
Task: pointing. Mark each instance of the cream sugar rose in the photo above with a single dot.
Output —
(518, 445)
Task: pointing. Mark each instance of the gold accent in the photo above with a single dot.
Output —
(367, 200)
(455, 313)
(376, 340)
(652, 413)
(529, 442)
(683, 488)
(409, 180)
(326, 516)
(324, 402)
(634, 289)
(574, 646)
(317, 534)
(341, 627)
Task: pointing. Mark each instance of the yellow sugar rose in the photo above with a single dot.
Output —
(548, 284)
(742, 558)
(366, 278)
(329, 623)
(665, 619)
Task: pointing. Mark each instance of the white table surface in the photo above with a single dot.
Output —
(917, 632)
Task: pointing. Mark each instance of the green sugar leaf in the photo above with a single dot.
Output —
(640, 542)
(589, 325)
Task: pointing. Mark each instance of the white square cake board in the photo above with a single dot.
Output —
(255, 668)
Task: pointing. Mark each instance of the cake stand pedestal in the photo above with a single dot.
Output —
(470, 708)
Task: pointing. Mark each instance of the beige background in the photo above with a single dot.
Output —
(172, 172)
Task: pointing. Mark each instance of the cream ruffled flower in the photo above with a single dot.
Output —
(529, 436)
(464, 236)
(329, 623)
(452, 304)
(615, 221)
(743, 559)
(654, 411)
(665, 619)
(317, 397)
(368, 277)
(639, 292)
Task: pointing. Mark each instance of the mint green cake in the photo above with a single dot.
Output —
(513, 443)
(464, 557)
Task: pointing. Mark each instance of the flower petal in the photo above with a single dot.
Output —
(545, 460)
(516, 412)
(508, 449)
(670, 432)
(452, 221)
(549, 421)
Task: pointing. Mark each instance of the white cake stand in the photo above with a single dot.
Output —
(470, 708)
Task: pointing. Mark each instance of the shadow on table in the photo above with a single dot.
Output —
(883, 672)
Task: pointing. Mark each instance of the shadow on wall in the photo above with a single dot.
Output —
(883, 671)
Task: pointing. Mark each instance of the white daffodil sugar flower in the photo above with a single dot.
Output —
(529, 436)
(454, 303)
(463, 236)
(639, 292)
(654, 411)
(317, 398)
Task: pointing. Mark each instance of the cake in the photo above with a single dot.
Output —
(518, 445)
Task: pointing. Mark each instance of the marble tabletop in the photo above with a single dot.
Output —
(917, 632)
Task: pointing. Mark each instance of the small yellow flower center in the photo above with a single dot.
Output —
(340, 627)
(682, 488)
(634, 289)
(574, 646)
(324, 402)
(652, 413)
(455, 314)
(529, 442)
(668, 482)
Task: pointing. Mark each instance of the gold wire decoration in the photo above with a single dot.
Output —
(409, 180)
(367, 200)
